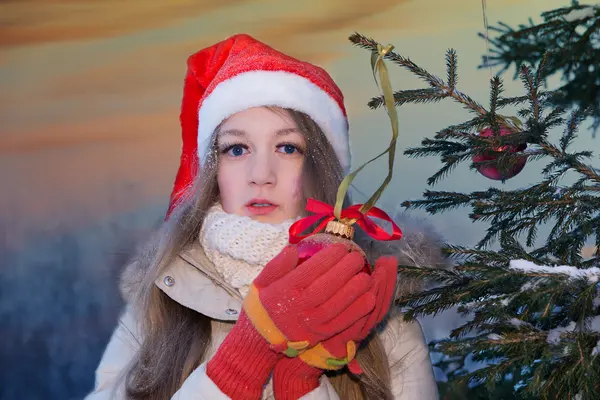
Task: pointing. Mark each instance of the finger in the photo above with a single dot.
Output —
(361, 307)
(337, 344)
(384, 284)
(342, 299)
(374, 315)
(278, 267)
(337, 348)
(327, 285)
(388, 274)
(315, 266)
(354, 330)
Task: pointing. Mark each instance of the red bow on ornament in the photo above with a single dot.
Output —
(325, 211)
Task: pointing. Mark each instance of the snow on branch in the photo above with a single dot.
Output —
(592, 274)
(582, 13)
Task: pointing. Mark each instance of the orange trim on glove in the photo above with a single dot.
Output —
(319, 357)
(259, 317)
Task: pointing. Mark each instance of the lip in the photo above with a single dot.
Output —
(261, 210)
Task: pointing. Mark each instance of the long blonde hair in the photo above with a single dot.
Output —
(175, 338)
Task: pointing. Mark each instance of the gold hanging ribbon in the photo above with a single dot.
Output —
(378, 66)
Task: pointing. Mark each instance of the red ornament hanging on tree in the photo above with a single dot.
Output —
(493, 170)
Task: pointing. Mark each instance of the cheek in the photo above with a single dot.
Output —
(297, 192)
(228, 188)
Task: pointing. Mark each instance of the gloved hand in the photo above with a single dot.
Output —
(316, 300)
(290, 308)
(295, 377)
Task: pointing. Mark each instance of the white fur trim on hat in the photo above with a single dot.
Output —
(274, 88)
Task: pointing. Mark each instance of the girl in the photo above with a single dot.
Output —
(262, 132)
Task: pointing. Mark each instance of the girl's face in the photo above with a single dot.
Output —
(261, 156)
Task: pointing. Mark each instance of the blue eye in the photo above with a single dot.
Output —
(289, 149)
(235, 150)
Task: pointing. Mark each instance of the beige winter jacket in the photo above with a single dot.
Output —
(191, 280)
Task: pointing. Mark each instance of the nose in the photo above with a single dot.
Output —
(262, 170)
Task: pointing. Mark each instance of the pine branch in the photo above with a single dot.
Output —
(569, 40)
(472, 145)
(438, 89)
(416, 96)
(532, 310)
(452, 66)
(370, 44)
(532, 350)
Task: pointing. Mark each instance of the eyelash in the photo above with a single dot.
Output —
(226, 147)
(299, 149)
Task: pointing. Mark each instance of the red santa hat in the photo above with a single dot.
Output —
(240, 73)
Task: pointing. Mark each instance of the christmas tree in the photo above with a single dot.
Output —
(569, 39)
(531, 304)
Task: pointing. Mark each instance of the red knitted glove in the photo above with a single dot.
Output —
(316, 300)
(295, 377)
(244, 361)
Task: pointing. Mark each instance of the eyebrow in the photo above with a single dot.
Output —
(232, 132)
(239, 132)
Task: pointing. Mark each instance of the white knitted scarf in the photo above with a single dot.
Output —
(240, 247)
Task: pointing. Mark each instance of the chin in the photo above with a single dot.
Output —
(274, 215)
(268, 219)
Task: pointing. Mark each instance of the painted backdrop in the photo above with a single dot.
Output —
(89, 142)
